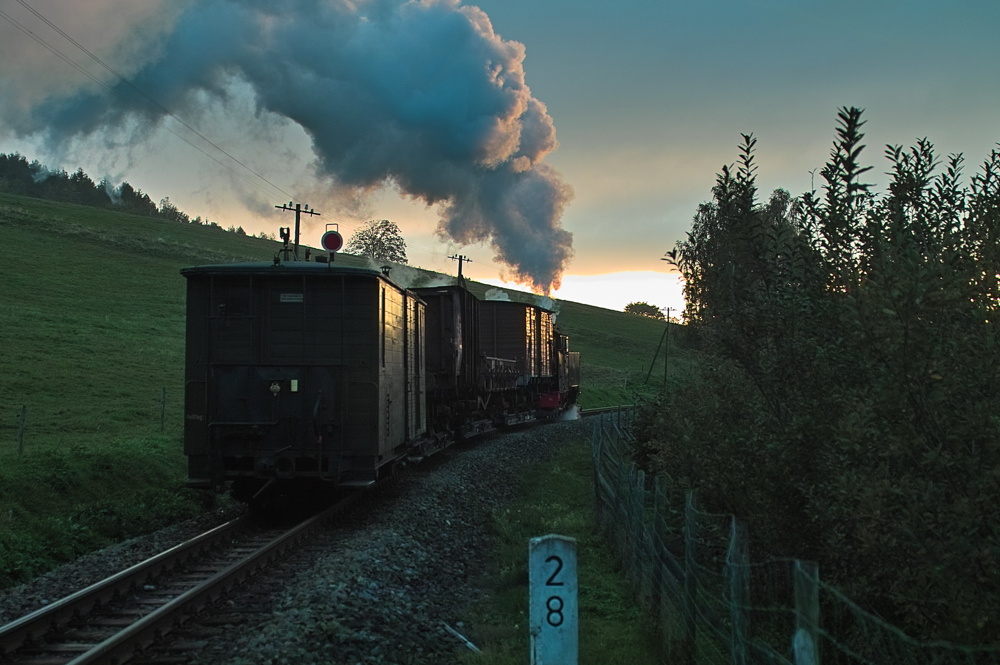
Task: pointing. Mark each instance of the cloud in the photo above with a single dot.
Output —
(126, 35)
(422, 95)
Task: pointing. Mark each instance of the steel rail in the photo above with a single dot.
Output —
(39, 622)
(121, 646)
(585, 413)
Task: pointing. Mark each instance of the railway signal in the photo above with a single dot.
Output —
(332, 241)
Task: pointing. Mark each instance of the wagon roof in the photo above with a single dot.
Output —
(517, 303)
(428, 290)
(285, 268)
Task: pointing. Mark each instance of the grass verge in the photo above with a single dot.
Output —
(558, 497)
(64, 502)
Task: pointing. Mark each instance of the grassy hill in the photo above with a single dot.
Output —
(92, 333)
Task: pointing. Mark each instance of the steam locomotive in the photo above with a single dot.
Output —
(305, 374)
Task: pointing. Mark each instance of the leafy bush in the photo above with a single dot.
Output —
(849, 406)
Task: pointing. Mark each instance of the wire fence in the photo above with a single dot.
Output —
(691, 571)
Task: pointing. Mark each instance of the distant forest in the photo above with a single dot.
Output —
(19, 176)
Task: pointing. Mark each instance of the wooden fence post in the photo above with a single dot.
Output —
(22, 424)
(597, 445)
(666, 604)
(163, 407)
(621, 508)
(806, 642)
(656, 545)
(604, 497)
(666, 351)
(737, 570)
(637, 487)
(630, 536)
(690, 580)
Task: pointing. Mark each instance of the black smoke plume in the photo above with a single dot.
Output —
(423, 95)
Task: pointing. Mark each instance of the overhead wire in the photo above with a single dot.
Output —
(165, 111)
(147, 97)
(144, 111)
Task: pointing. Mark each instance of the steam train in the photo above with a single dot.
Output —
(302, 374)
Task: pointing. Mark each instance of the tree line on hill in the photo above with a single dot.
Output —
(19, 176)
(643, 308)
(847, 406)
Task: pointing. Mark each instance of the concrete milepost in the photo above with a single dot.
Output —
(552, 613)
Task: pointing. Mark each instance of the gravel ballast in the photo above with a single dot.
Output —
(376, 586)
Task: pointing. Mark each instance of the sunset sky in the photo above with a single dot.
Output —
(647, 99)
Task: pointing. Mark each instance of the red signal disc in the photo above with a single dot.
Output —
(332, 241)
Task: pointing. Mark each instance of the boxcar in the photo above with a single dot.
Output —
(483, 359)
(521, 332)
(301, 370)
(454, 400)
(523, 335)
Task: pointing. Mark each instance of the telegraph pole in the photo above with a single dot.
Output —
(298, 210)
(460, 259)
(666, 350)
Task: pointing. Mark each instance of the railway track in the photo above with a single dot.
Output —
(126, 616)
(584, 413)
(113, 620)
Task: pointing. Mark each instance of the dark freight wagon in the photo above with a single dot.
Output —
(452, 339)
(306, 376)
(301, 370)
(547, 373)
(456, 403)
(521, 332)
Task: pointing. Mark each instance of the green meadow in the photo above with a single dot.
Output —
(92, 339)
